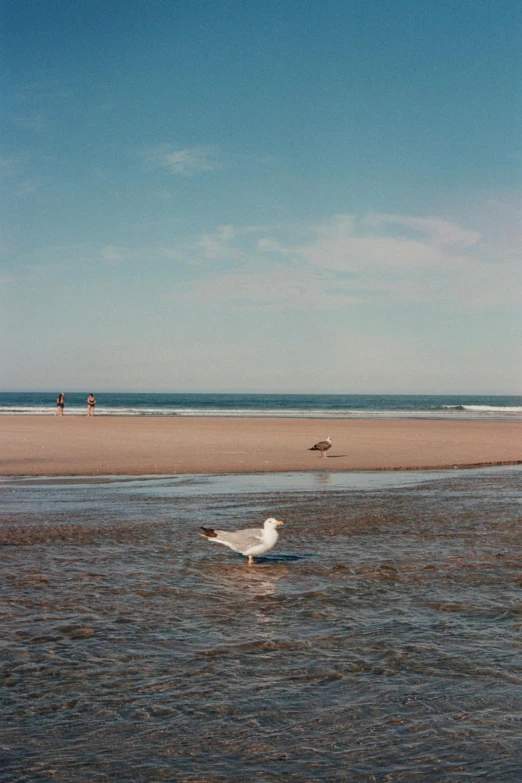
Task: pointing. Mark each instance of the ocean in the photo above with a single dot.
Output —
(379, 642)
(270, 405)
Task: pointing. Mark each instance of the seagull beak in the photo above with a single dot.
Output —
(279, 522)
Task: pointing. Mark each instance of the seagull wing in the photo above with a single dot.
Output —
(323, 445)
(241, 540)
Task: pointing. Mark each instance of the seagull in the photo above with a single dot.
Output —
(322, 446)
(250, 541)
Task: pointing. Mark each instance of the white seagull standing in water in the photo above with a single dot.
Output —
(251, 541)
(322, 446)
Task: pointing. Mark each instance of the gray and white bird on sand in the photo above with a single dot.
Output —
(322, 446)
(251, 541)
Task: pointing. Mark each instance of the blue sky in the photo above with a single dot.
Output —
(251, 195)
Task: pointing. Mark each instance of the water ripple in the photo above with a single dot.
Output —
(380, 641)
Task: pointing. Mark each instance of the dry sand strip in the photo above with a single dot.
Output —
(106, 445)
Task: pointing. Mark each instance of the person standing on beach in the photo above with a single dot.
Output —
(91, 402)
(60, 404)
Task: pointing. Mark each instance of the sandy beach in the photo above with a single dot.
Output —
(68, 446)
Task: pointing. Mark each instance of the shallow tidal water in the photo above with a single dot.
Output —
(381, 640)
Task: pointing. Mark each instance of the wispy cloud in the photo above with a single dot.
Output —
(35, 121)
(20, 177)
(25, 188)
(387, 244)
(111, 255)
(8, 165)
(350, 261)
(440, 232)
(347, 261)
(270, 289)
(187, 161)
(44, 90)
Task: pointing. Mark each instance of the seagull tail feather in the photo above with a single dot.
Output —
(208, 532)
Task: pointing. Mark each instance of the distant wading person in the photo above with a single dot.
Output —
(91, 402)
(60, 404)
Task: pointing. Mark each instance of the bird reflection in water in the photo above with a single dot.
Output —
(324, 479)
(259, 582)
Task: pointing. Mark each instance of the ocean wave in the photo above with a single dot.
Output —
(441, 412)
(485, 408)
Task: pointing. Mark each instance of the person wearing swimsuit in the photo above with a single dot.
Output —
(91, 402)
(60, 404)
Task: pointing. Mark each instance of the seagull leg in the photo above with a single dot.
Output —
(250, 560)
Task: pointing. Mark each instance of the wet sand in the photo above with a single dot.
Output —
(68, 446)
